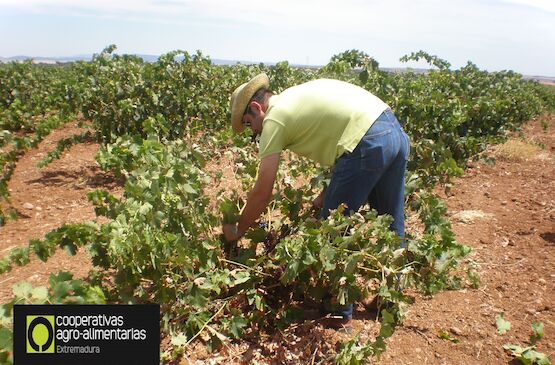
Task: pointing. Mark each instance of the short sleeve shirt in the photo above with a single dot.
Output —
(320, 119)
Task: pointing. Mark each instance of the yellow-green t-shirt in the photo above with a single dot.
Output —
(320, 119)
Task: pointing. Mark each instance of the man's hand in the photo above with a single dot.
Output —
(231, 232)
(319, 201)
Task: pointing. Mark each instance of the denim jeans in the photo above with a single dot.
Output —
(374, 172)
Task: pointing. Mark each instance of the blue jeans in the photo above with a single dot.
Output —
(374, 172)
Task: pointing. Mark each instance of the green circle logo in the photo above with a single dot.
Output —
(40, 334)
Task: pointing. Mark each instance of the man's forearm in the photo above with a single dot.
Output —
(257, 200)
(256, 204)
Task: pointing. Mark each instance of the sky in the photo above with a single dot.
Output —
(495, 35)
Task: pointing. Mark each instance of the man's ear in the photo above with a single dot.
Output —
(256, 106)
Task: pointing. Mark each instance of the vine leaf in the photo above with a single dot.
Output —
(502, 325)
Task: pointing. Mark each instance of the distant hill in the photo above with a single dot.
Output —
(145, 57)
(47, 59)
(153, 58)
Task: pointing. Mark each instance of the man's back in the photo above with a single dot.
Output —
(320, 119)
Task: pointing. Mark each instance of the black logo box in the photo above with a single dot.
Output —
(139, 317)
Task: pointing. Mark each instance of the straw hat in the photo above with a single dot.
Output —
(241, 97)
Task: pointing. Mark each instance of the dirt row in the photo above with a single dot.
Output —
(47, 198)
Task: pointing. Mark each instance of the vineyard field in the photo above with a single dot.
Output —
(122, 172)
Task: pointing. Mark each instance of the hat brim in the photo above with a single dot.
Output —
(241, 97)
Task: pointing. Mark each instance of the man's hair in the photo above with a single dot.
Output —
(261, 95)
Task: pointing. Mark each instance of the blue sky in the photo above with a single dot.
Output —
(494, 34)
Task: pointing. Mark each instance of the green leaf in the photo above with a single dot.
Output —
(6, 339)
(208, 285)
(327, 256)
(241, 277)
(40, 293)
(256, 235)
(145, 208)
(384, 292)
(5, 263)
(61, 276)
(363, 76)
(22, 289)
(95, 295)
(528, 355)
(237, 324)
(537, 328)
(386, 330)
(255, 298)
(189, 189)
(388, 324)
(352, 262)
(354, 353)
(387, 317)
(60, 290)
(444, 335)
(179, 340)
(70, 248)
(197, 299)
(502, 325)
(230, 211)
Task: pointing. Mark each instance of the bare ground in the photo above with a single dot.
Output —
(47, 198)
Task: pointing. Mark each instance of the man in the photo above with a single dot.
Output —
(335, 124)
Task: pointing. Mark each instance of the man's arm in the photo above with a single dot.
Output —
(258, 198)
